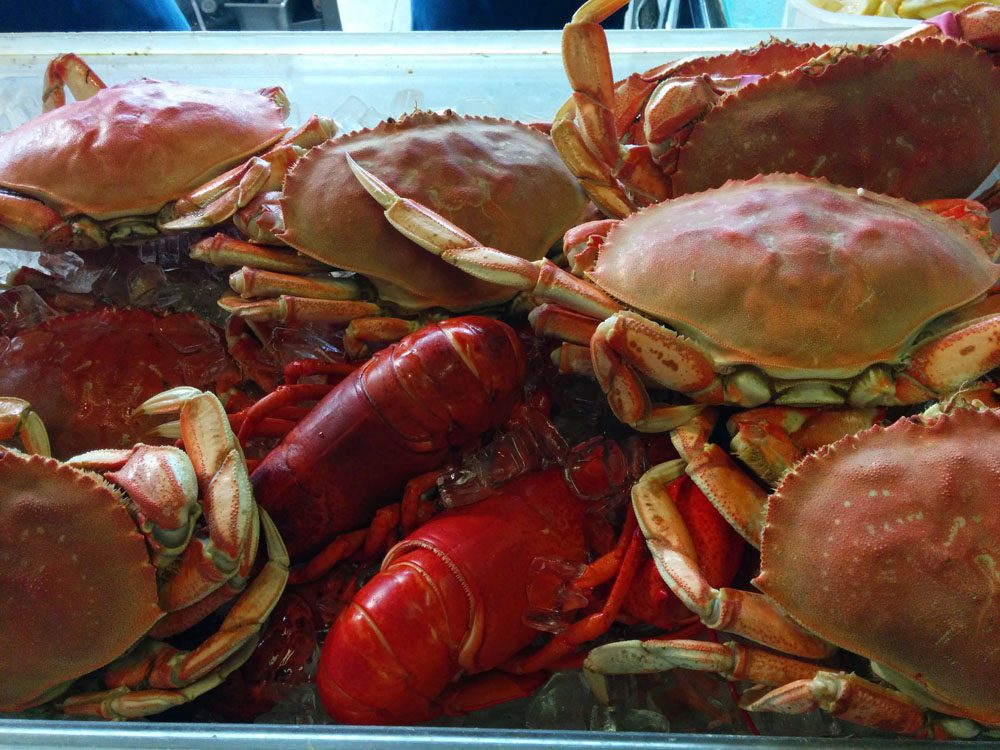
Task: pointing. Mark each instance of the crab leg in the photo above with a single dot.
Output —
(735, 495)
(221, 197)
(744, 613)
(800, 686)
(18, 418)
(770, 440)
(27, 218)
(584, 128)
(68, 70)
(158, 676)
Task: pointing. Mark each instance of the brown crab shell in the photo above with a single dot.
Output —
(888, 545)
(499, 180)
(796, 276)
(131, 148)
(76, 585)
(919, 119)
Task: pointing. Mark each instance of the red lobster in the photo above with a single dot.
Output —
(397, 416)
(453, 599)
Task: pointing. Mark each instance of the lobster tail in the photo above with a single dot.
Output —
(406, 408)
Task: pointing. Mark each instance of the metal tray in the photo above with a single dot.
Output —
(359, 79)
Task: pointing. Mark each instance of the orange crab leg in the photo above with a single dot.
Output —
(157, 676)
(801, 686)
(17, 418)
(31, 219)
(739, 499)
(745, 613)
(772, 439)
(68, 70)
(225, 251)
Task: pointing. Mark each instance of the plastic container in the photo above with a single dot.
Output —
(360, 78)
(802, 14)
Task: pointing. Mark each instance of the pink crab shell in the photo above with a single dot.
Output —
(887, 544)
(131, 148)
(799, 277)
(499, 180)
(80, 591)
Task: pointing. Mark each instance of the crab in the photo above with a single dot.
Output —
(883, 544)
(104, 554)
(86, 372)
(917, 117)
(780, 289)
(119, 163)
(499, 178)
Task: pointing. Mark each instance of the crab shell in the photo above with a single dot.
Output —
(887, 544)
(500, 180)
(83, 549)
(919, 119)
(86, 372)
(798, 277)
(131, 148)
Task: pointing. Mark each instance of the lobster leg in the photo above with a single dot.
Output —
(391, 522)
(622, 563)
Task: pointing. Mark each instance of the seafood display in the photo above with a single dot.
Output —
(108, 578)
(684, 294)
(82, 176)
(858, 116)
(441, 440)
(876, 517)
(478, 171)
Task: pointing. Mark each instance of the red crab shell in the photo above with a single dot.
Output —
(130, 148)
(500, 180)
(84, 373)
(887, 543)
(83, 547)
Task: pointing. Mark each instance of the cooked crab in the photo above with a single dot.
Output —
(106, 553)
(917, 117)
(116, 165)
(883, 544)
(495, 177)
(780, 289)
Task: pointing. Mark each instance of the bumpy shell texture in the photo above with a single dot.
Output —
(500, 181)
(918, 120)
(131, 148)
(799, 277)
(888, 545)
(76, 585)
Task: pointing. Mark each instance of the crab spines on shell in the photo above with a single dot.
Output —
(896, 506)
(477, 171)
(850, 144)
(49, 512)
(687, 125)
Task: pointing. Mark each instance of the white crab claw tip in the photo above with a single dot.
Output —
(168, 402)
(375, 187)
(168, 430)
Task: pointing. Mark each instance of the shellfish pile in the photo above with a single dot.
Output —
(513, 406)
